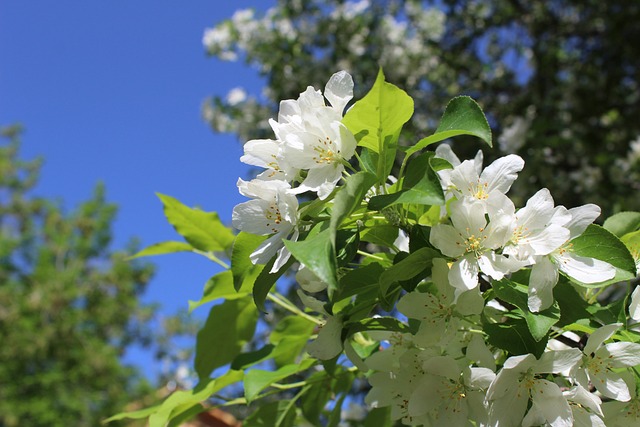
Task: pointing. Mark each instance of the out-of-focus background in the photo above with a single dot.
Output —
(124, 99)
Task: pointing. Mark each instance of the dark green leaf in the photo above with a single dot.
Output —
(347, 244)
(229, 326)
(360, 280)
(314, 400)
(378, 324)
(383, 234)
(274, 414)
(513, 336)
(572, 306)
(463, 116)
(244, 360)
(539, 323)
(420, 186)
(598, 243)
(416, 263)
(318, 255)
(265, 281)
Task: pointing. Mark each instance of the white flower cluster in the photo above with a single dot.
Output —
(445, 374)
(488, 235)
(309, 153)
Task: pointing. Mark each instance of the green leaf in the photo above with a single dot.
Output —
(376, 121)
(378, 324)
(135, 415)
(632, 242)
(598, 243)
(229, 326)
(622, 223)
(274, 414)
(360, 281)
(265, 281)
(347, 245)
(379, 114)
(572, 306)
(318, 255)
(243, 246)
(420, 186)
(539, 323)
(182, 401)
(349, 198)
(163, 248)
(380, 234)
(203, 230)
(290, 337)
(463, 116)
(256, 380)
(314, 400)
(221, 286)
(408, 268)
(513, 336)
(244, 360)
(378, 417)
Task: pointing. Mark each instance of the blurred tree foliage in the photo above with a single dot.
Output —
(69, 306)
(559, 79)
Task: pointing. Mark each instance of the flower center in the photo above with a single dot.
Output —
(473, 243)
(479, 190)
(274, 217)
(521, 232)
(326, 152)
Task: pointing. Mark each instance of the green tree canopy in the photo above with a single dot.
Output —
(559, 79)
(69, 306)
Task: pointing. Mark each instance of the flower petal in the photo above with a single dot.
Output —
(558, 361)
(339, 90)
(464, 273)
(548, 399)
(500, 174)
(447, 239)
(599, 336)
(621, 354)
(581, 218)
(634, 306)
(610, 384)
(544, 276)
(583, 269)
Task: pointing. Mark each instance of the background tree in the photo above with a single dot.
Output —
(69, 306)
(559, 80)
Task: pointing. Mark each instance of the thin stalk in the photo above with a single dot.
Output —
(212, 257)
(372, 256)
(288, 305)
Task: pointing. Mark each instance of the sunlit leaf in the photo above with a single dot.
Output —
(203, 230)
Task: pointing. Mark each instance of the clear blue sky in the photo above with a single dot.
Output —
(111, 91)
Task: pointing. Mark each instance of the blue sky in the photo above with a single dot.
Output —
(111, 91)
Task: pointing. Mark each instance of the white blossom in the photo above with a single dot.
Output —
(544, 273)
(473, 241)
(520, 382)
(601, 359)
(273, 211)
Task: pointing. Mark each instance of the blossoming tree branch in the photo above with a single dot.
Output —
(457, 307)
